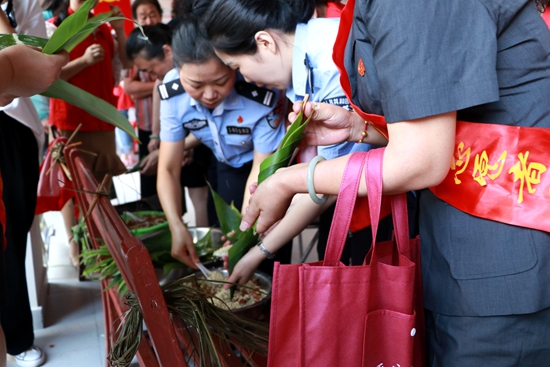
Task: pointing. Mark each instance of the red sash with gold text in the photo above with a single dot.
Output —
(498, 172)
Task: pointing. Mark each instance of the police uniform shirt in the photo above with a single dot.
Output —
(234, 129)
(488, 60)
(314, 73)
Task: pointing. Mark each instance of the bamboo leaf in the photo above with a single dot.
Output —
(239, 249)
(281, 158)
(12, 39)
(68, 28)
(90, 26)
(89, 103)
(204, 243)
(229, 216)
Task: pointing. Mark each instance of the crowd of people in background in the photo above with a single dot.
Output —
(212, 93)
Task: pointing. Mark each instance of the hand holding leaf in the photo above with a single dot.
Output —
(281, 158)
(74, 29)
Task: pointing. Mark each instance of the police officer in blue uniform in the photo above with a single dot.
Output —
(292, 51)
(241, 123)
(245, 122)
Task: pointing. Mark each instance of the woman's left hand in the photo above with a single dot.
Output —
(149, 164)
(270, 200)
(245, 268)
(119, 23)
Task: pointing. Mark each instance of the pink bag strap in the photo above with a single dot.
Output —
(344, 209)
(373, 178)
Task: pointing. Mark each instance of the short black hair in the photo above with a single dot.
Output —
(150, 45)
(137, 3)
(189, 44)
(232, 24)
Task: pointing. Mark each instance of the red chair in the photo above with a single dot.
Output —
(162, 345)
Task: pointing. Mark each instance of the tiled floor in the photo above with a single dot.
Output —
(73, 316)
(73, 334)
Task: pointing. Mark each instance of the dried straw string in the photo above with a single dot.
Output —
(201, 320)
(57, 153)
(129, 331)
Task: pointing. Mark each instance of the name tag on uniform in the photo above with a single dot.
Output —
(239, 130)
(195, 124)
(339, 101)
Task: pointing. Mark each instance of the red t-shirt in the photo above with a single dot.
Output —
(96, 79)
(334, 9)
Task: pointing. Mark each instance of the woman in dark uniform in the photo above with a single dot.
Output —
(484, 229)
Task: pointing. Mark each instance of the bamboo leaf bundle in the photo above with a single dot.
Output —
(281, 158)
(74, 29)
(209, 328)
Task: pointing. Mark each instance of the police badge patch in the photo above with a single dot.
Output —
(194, 124)
(274, 117)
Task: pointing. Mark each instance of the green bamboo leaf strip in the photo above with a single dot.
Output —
(228, 215)
(276, 156)
(281, 158)
(275, 161)
(90, 103)
(293, 126)
(90, 26)
(247, 239)
(68, 28)
(11, 39)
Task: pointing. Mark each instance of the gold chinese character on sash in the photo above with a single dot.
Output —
(460, 162)
(482, 167)
(529, 174)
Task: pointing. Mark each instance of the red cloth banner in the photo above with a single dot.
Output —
(500, 173)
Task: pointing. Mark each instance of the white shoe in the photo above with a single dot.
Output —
(32, 357)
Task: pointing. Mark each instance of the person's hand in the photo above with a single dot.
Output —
(45, 124)
(245, 268)
(119, 23)
(183, 248)
(330, 124)
(149, 164)
(33, 71)
(93, 54)
(187, 157)
(270, 200)
(6, 99)
(154, 144)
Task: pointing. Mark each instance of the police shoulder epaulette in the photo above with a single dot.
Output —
(170, 89)
(255, 93)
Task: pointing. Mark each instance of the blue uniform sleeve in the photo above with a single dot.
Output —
(269, 130)
(171, 128)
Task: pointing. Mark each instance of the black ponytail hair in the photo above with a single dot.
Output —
(232, 24)
(190, 44)
(148, 47)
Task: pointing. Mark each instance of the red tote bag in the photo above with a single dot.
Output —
(329, 314)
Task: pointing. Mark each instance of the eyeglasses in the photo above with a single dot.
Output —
(10, 13)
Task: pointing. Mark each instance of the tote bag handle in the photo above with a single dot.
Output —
(344, 209)
(373, 178)
(372, 162)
